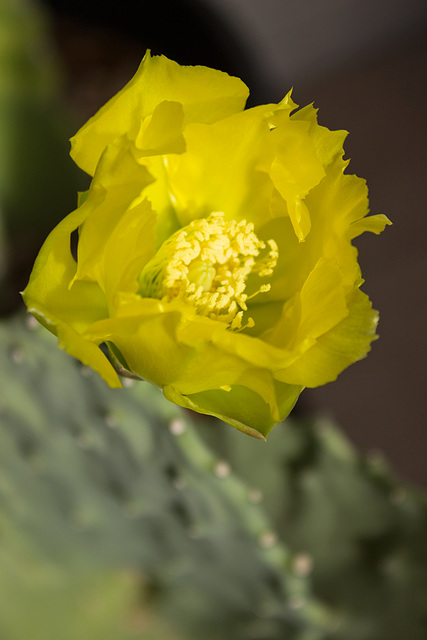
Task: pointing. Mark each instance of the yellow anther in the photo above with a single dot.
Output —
(207, 264)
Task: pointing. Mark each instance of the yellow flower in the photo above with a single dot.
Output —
(214, 255)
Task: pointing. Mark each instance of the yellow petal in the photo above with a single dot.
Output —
(47, 294)
(295, 170)
(218, 172)
(300, 217)
(161, 132)
(346, 343)
(118, 183)
(206, 95)
(243, 409)
(127, 250)
(322, 301)
(329, 144)
(145, 336)
(248, 349)
(374, 224)
(88, 353)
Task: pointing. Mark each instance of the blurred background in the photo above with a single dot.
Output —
(363, 63)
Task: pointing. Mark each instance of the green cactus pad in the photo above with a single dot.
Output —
(355, 529)
(101, 480)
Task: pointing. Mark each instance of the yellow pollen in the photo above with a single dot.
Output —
(207, 264)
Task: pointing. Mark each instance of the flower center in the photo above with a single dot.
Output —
(207, 264)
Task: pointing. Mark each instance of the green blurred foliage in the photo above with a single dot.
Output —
(39, 600)
(355, 529)
(101, 480)
(228, 544)
(38, 180)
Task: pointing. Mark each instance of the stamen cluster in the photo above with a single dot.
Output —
(207, 264)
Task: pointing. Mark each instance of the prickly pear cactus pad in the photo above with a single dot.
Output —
(40, 600)
(97, 482)
(215, 254)
(358, 532)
